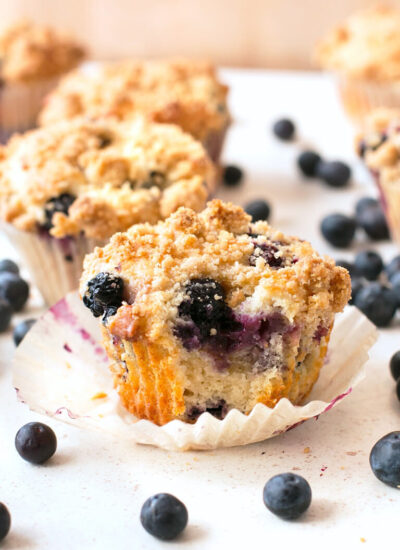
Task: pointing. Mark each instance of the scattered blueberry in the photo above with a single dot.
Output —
(338, 230)
(57, 204)
(357, 283)
(258, 210)
(307, 161)
(21, 330)
(104, 294)
(164, 516)
(6, 312)
(14, 289)
(284, 129)
(378, 303)
(373, 221)
(36, 442)
(334, 173)
(351, 268)
(9, 266)
(287, 495)
(385, 459)
(369, 264)
(364, 203)
(392, 267)
(233, 175)
(395, 365)
(5, 521)
(395, 282)
(398, 389)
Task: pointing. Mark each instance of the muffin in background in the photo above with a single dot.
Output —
(32, 59)
(363, 53)
(378, 144)
(183, 92)
(209, 312)
(69, 187)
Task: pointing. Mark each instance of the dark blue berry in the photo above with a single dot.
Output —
(373, 221)
(57, 204)
(395, 365)
(284, 129)
(351, 268)
(357, 283)
(385, 459)
(6, 312)
(378, 303)
(22, 329)
(14, 290)
(9, 266)
(268, 252)
(287, 495)
(36, 442)
(338, 230)
(364, 203)
(104, 294)
(232, 175)
(259, 210)
(334, 173)
(164, 516)
(393, 267)
(395, 282)
(5, 521)
(369, 264)
(307, 162)
(398, 389)
(218, 409)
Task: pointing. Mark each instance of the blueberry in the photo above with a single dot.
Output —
(393, 267)
(57, 204)
(6, 312)
(21, 330)
(369, 264)
(357, 283)
(334, 173)
(9, 266)
(351, 268)
(284, 129)
(259, 210)
(268, 252)
(395, 281)
(36, 442)
(287, 495)
(395, 365)
(104, 294)
(364, 203)
(164, 516)
(378, 303)
(338, 230)
(307, 162)
(5, 521)
(14, 289)
(385, 459)
(232, 175)
(373, 221)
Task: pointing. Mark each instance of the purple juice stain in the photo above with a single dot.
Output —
(67, 348)
(320, 333)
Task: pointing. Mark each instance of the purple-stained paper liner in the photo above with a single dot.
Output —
(61, 370)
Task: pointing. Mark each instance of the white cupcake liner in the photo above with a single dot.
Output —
(61, 370)
(20, 104)
(55, 265)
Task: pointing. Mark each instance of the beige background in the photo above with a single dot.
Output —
(265, 33)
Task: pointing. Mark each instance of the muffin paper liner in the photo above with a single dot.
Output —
(55, 265)
(61, 370)
(20, 104)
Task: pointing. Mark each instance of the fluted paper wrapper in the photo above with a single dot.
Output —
(61, 370)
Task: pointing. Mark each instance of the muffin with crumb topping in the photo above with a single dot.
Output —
(364, 54)
(210, 312)
(32, 59)
(182, 92)
(71, 186)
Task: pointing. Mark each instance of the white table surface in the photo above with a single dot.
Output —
(90, 494)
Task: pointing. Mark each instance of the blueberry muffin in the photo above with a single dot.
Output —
(32, 58)
(210, 312)
(378, 144)
(69, 187)
(185, 93)
(364, 54)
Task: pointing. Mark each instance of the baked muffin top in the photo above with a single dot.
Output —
(99, 177)
(31, 51)
(149, 268)
(366, 46)
(182, 92)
